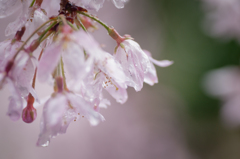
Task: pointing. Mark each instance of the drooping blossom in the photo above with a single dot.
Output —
(133, 61)
(70, 57)
(224, 84)
(60, 110)
(71, 49)
(19, 79)
(99, 63)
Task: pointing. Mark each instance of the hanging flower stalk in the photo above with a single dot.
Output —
(66, 45)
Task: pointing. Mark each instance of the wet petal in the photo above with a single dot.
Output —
(52, 120)
(48, 62)
(74, 60)
(134, 63)
(162, 63)
(150, 77)
(85, 109)
(117, 92)
(15, 106)
(8, 7)
(14, 26)
(119, 3)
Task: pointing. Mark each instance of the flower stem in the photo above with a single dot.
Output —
(45, 31)
(63, 74)
(46, 36)
(80, 22)
(72, 26)
(33, 1)
(111, 31)
(63, 19)
(97, 20)
(35, 73)
(25, 42)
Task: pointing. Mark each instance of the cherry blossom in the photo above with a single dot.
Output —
(71, 60)
(133, 61)
(60, 110)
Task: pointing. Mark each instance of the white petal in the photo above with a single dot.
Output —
(119, 3)
(134, 63)
(85, 109)
(14, 26)
(15, 103)
(74, 60)
(104, 103)
(8, 7)
(24, 79)
(162, 63)
(90, 4)
(150, 77)
(48, 62)
(117, 92)
(52, 120)
(112, 68)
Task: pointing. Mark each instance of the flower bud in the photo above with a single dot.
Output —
(34, 45)
(9, 66)
(19, 34)
(59, 84)
(29, 114)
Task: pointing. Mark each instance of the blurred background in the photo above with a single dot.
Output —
(174, 119)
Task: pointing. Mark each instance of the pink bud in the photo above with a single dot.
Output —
(34, 45)
(29, 114)
(59, 84)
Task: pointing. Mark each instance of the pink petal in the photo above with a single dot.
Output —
(117, 92)
(134, 63)
(48, 62)
(75, 63)
(85, 109)
(112, 68)
(8, 7)
(162, 63)
(14, 26)
(15, 106)
(150, 77)
(119, 3)
(52, 120)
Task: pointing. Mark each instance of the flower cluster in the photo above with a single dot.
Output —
(69, 58)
